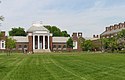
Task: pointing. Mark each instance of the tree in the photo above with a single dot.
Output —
(113, 44)
(121, 34)
(65, 34)
(57, 32)
(87, 45)
(17, 32)
(105, 43)
(10, 44)
(121, 39)
(49, 28)
(81, 40)
(110, 44)
(70, 43)
(0, 35)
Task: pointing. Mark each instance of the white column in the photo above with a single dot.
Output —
(48, 41)
(38, 42)
(43, 42)
(33, 41)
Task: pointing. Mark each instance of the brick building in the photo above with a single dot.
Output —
(2, 40)
(112, 30)
(96, 42)
(39, 39)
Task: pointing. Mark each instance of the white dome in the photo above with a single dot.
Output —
(37, 27)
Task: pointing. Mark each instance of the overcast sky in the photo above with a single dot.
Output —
(87, 16)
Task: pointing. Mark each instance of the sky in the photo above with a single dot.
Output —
(87, 16)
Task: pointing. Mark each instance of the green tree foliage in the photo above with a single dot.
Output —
(57, 32)
(105, 43)
(65, 34)
(81, 40)
(121, 39)
(114, 43)
(110, 44)
(70, 43)
(121, 34)
(10, 44)
(17, 32)
(0, 35)
(87, 45)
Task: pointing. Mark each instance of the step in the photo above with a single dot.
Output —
(41, 50)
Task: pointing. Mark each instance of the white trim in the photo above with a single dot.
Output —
(38, 42)
(30, 34)
(38, 32)
(43, 42)
(48, 41)
(2, 44)
(75, 44)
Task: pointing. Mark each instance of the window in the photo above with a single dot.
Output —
(64, 46)
(2, 44)
(54, 46)
(25, 46)
(20, 46)
(59, 46)
(75, 45)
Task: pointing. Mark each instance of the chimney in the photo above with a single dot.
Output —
(121, 25)
(79, 34)
(74, 35)
(95, 36)
(111, 28)
(115, 26)
(107, 28)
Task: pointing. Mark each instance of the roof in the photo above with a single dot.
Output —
(60, 39)
(87, 38)
(94, 39)
(37, 27)
(112, 32)
(20, 38)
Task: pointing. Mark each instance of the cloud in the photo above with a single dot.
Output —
(87, 16)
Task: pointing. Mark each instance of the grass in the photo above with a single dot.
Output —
(62, 66)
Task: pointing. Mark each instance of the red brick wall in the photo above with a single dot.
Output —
(61, 48)
(22, 46)
(3, 37)
(75, 37)
(30, 48)
(50, 42)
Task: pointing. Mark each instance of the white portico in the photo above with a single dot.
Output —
(40, 38)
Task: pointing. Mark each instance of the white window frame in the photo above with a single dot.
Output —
(2, 45)
(75, 45)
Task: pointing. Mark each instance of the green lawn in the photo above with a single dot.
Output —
(62, 66)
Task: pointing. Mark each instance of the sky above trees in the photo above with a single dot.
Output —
(87, 16)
